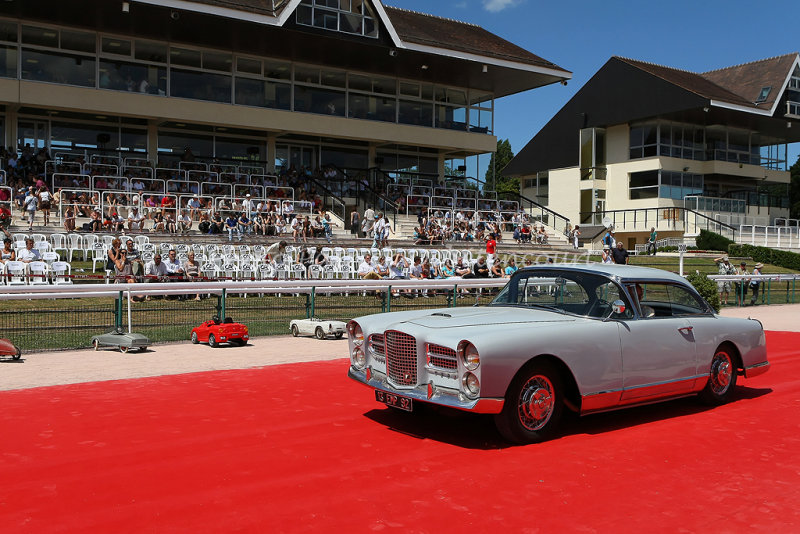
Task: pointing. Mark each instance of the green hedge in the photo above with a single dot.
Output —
(711, 241)
(706, 287)
(780, 258)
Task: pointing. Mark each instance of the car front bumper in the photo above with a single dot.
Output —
(429, 394)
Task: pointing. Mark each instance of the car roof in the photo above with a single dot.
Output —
(620, 272)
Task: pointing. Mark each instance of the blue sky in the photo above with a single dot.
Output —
(581, 36)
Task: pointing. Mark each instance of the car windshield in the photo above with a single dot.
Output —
(573, 292)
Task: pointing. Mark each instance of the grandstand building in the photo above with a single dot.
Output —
(644, 145)
(221, 98)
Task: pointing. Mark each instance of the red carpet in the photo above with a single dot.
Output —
(301, 448)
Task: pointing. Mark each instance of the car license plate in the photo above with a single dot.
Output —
(395, 401)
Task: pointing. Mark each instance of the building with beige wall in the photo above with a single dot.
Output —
(644, 145)
(276, 83)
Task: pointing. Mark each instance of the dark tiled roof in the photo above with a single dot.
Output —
(420, 28)
(740, 84)
(688, 80)
(748, 79)
(260, 7)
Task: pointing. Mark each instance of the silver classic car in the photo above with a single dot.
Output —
(585, 338)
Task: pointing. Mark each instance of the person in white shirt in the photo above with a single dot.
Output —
(288, 210)
(156, 269)
(276, 251)
(174, 266)
(366, 271)
(134, 219)
(184, 222)
(28, 254)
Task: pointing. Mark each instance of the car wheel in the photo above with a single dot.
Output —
(721, 378)
(212, 341)
(533, 405)
(295, 330)
(194, 338)
(319, 333)
(339, 335)
(18, 355)
(142, 349)
(239, 342)
(123, 350)
(96, 344)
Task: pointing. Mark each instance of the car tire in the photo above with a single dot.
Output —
(239, 342)
(142, 349)
(123, 350)
(212, 341)
(339, 335)
(721, 379)
(295, 330)
(18, 355)
(194, 338)
(96, 344)
(533, 406)
(319, 333)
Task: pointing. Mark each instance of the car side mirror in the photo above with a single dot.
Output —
(617, 308)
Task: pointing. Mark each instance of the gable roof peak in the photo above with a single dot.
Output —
(431, 16)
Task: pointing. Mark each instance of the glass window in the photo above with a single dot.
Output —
(134, 77)
(8, 31)
(78, 41)
(250, 66)
(200, 85)
(266, 94)
(304, 74)
(668, 300)
(112, 45)
(278, 70)
(315, 100)
(8, 61)
(217, 61)
(416, 112)
(451, 118)
(58, 68)
(332, 78)
(186, 57)
(150, 51)
(35, 35)
(409, 89)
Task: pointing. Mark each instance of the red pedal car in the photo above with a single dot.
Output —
(215, 332)
(7, 348)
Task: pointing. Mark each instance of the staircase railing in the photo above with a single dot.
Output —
(662, 219)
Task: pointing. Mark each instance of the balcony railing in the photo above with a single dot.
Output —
(793, 109)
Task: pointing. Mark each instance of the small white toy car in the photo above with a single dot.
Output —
(317, 327)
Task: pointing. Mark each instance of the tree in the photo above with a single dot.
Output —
(495, 181)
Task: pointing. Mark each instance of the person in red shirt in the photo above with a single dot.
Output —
(491, 244)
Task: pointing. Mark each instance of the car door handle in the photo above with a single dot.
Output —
(685, 329)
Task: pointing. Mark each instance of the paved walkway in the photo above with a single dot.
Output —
(73, 367)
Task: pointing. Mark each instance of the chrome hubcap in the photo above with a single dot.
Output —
(536, 402)
(721, 373)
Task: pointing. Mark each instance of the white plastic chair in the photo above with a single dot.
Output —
(266, 271)
(315, 271)
(99, 255)
(16, 274)
(59, 242)
(61, 273)
(38, 273)
(75, 244)
(50, 257)
(88, 242)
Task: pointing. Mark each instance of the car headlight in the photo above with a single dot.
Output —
(358, 358)
(469, 355)
(472, 386)
(355, 332)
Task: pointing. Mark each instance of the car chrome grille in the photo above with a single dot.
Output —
(377, 347)
(442, 357)
(401, 358)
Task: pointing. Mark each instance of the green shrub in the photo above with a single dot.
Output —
(711, 241)
(780, 258)
(706, 287)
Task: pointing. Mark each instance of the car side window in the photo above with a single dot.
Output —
(609, 293)
(666, 300)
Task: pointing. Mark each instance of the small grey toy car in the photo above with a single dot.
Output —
(122, 340)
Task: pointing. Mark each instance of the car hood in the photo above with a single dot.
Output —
(494, 315)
